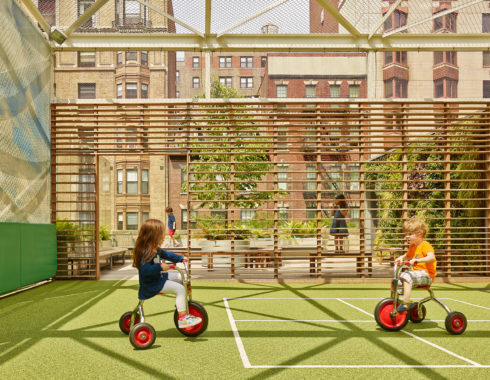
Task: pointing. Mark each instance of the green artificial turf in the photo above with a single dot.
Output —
(69, 329)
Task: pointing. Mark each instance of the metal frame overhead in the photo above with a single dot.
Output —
(353, 40)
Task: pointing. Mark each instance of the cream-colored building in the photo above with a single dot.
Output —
(125, 183)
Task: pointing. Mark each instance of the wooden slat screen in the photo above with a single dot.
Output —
(267, 172)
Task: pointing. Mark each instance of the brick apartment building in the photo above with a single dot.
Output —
(133, 189)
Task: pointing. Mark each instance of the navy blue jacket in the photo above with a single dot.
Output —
(171, 221)
(151, 276)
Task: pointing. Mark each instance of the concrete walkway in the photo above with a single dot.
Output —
(297, 269)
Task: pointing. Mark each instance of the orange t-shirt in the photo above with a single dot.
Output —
(419, 251)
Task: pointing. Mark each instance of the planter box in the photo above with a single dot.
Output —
(223, 245)
(222, 261)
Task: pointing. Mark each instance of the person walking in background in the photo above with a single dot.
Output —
(172, 226)
(339, 225)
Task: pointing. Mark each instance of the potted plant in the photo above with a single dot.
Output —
(105, 237)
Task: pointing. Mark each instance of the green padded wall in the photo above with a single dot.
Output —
(27, 254)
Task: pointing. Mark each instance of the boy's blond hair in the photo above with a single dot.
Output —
(414, 225)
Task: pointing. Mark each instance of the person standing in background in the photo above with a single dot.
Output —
(172, 226)
(339, 225)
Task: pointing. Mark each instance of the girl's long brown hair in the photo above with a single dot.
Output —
(149, 238)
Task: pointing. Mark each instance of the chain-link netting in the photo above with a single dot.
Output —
(269, 16)
(25, 87)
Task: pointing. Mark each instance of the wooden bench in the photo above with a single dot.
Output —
(110, 254)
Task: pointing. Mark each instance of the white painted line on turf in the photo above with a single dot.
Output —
(442, 349)
(355, 307)
(467, 303)
(238, 340)
(421, 339)
(304, 320)
(370, 366)
(343, 320)
(302, 298)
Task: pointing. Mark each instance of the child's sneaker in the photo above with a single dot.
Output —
(189, 321)
(404, 306)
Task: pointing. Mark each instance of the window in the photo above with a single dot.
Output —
(395, 88)
(396, 57)
(195, 82)
(310, 91)
(283, 212)
(84, 5)
(486, 59)
(225, 81)
(85, 217)
(180, 56)
(177, 94)
(247, 214)
(131, 90)
(131, 220)
(119, 181)
(120, 221)
(86, 59)
(86, 91)
(185, 219)
(282, 139)
(177, 76)
(218, 214)
(144, 181)
(445, 23)
(335, 90)
(282, 177)
(225, 62)
(263, 61)
(144, 216)
(195, 62)
(246, 62)
(134, 13)
(131, 181)
(119, 91)
(354, 177)
(446, 88)
(486, 88)
(119, 58)
(445, 57)
(310, 176)
(131, 57)
(281, 91)
(310, 210)
(144, 91)
(246, 82)
(354, 91)
(48, 10)
(144, 58)
(485, 23)
(396, 20)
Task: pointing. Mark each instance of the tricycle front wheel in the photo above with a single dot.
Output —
(383, 316)
(142, 336)
(197, 310)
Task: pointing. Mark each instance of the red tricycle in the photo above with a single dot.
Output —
(142, 335)
(390, 319)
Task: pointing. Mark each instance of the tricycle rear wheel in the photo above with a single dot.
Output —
(197, 310)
